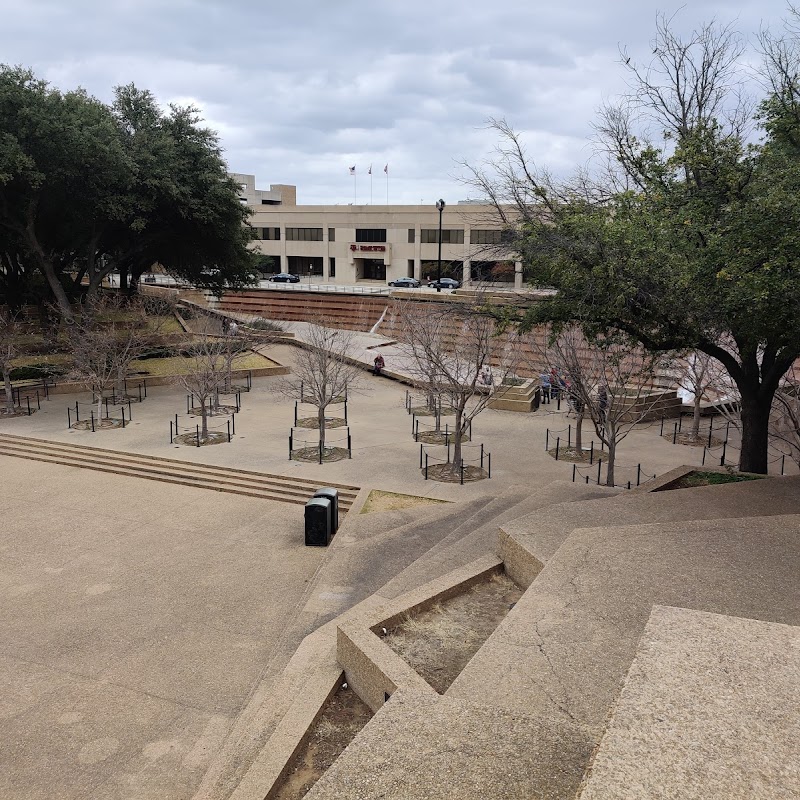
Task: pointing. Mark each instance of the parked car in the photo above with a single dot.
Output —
(285, 277)
(405, 283)
(445, 283)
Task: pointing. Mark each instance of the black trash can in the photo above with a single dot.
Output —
(318, 522)
(333, 496)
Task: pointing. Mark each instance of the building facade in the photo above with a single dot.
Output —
(349, 244)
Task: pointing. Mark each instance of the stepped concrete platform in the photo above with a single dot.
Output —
(281, 488)
(542, 535)
(452, 748)
(564, 650)
(708, 712)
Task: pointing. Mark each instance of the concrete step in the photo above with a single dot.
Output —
(251, 484)
(577, 627)
(542, 532)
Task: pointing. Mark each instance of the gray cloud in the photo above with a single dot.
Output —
(301, 91)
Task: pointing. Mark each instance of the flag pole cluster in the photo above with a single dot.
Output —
(369, 172)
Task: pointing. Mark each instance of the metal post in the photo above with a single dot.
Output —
(123, 416)
(345, 408)
(558, 402)
(680, 422)
(440, 209)
(591, 452)
(599, 467)
(710, 428)
(229, 430)
(547, 440)
(144, 382)
(574, 470)
(295, 412)
(783, 459)
(69, 418)
(38, 400)
(349, 446)
(461, 467)
(448, 451)
(421, 448)
(29, 405)
(416, 432)
(675, 434)
(703, 462)
(629, 484)
(638, 474)
(77, 412)
(558, 442)
(569, 435)
(188, 407)
(724, 447)
(130, 415)
(233, 425)
(91, 414)
(426, 466)
(490, 465)
(587, 479)
(661, 432)
(198, 435)
(290, 445)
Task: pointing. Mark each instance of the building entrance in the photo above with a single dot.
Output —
(371, 269)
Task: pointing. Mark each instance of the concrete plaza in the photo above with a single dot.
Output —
(138, 618)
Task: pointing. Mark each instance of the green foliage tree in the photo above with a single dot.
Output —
(86, 188)
(691, 243)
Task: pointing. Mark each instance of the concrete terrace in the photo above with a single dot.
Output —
(167, 641)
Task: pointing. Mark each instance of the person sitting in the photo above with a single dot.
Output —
(379, 364)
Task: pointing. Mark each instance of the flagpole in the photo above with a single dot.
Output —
(370, 184)
(386, 170)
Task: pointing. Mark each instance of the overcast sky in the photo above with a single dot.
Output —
(301, 91)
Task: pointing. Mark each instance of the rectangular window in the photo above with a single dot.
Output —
(370, 234)
(304, 234)
(449, 236)
(270, 234)
(331, 234)
(332, 267)
(486, 237)
(411, 237)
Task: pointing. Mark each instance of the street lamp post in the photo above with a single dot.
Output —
(439, 208)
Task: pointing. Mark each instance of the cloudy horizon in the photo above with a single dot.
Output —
(300, 93)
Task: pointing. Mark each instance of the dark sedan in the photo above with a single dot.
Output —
(405, 283)
(445, 283)
(285, 277)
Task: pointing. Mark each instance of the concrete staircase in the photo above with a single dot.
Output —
(553, 670)
(260, 485)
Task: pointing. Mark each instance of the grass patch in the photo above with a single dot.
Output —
(178, 365)
(699, 478)
(378, 500)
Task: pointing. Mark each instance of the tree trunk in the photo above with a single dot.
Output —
(755, 433)
(695, 435)
(457, 434)
(56, 288)
(123, 278)
(578, 432)
(612, 454)
(9, 390)
(321, 418)
(204, 419)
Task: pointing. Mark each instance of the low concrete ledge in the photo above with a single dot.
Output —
(272, 764)
(372, 668)
(520, 564)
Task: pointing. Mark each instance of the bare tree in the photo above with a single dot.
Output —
(448, 352)
(108, 334)
(695, 374)
(785, 420)
(10, 349)
(610, 379)
(323, 371)
(205, 371)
